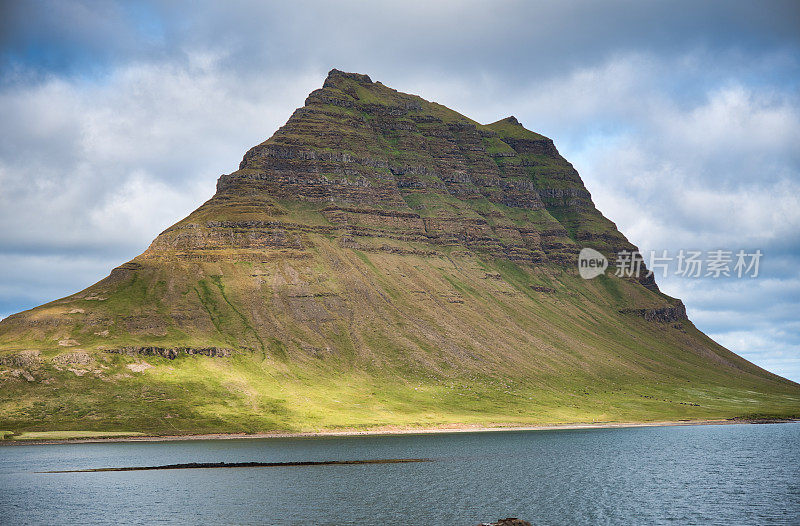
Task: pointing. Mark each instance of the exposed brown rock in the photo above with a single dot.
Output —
(172, 353)
(660, 314)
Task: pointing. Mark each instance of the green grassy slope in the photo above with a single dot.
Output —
(380, 261)
(384, 339)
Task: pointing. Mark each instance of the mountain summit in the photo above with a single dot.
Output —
(380, 260)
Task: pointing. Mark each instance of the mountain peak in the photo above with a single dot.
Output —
(335, 74)
(390, 253)
(364, 146)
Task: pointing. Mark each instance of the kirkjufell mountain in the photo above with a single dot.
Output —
(381, 260)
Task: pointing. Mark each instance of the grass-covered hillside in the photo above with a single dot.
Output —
(380, 261)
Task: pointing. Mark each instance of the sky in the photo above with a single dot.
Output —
(683, 119)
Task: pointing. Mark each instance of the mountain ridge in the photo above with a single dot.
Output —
(383, 249)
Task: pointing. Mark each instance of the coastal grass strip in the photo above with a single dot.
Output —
(205, 465)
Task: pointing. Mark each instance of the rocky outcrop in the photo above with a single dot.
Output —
(390, 163)
(73, 358)
(510, 521)
(661, 314)
(172, 353)
(24, 359)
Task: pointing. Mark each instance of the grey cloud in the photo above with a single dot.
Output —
(515, 40)
(31, 279)
(519, 39)
(105, 166)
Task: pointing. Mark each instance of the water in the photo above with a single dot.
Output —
(736, 474)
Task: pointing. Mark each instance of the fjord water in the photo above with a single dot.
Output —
(724, 474)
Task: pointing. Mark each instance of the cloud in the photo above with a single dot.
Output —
(80, 148)
(143, 206)
(768, 348)
(32, 279)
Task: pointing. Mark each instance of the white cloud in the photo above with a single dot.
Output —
(104, 165)
(144, 206)
(768, 350)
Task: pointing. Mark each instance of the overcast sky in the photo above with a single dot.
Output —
(683, 119)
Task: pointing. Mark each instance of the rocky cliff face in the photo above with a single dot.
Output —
(373, 162)
(386, 237)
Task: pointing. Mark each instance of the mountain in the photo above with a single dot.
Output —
(381, 260)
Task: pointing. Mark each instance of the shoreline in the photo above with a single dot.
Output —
(386, 431)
